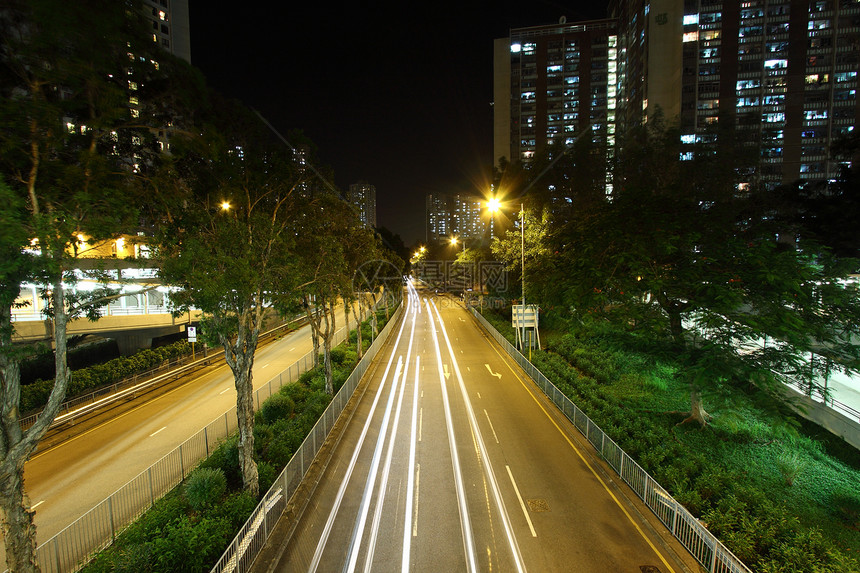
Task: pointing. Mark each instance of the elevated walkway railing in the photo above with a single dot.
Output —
(701, 543)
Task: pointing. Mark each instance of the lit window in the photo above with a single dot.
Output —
(773, 117)
(691, 19)
(516, 48)
(691, 36)
(162, 15)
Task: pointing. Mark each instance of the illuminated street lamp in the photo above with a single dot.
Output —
(225, 205)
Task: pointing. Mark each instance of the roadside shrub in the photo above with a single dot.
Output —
(204, 487)
(186, 545)
(226, 458)
(277, 407)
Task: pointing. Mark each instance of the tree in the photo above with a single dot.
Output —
(680, 248)
(69, 147)
(229, 243)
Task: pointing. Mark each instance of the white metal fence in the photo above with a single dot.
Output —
(73, 546)
(701, 543)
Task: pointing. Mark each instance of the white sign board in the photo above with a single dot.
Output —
(527, 319)
(192, 333)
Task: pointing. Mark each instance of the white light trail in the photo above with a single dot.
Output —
(488, 468)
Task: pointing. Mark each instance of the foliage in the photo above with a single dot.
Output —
(204, 487)
(87, 379)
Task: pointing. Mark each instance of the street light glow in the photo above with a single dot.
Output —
(225, 206)
(494, 205)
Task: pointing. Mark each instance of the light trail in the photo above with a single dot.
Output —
(488, 468)
(465, 521)
(324, 536)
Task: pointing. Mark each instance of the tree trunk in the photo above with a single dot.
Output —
(346, 306)
(245, 416)
(239, 354)
(19, 531)
(697, 410)
(314, 320)
(359, 321)
(328, 335)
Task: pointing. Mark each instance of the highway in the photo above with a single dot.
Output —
(66, 480)
(453, 461)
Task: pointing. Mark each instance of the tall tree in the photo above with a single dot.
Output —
(229, 243)
(70, 144)
(686, 246)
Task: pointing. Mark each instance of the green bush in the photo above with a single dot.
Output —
(277, 407)
(84, 380)
(204, 487)
(188, 545)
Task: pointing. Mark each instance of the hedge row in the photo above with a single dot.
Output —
(35, 395)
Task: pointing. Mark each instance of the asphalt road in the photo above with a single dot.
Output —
(66, 480)
(453, 461)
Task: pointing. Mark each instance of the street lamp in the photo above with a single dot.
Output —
(225, 205)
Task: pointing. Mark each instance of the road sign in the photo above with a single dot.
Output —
(527, 319)
(192, 333)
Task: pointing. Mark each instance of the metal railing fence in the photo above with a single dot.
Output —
(72, 547)
(240, 555)
(701, 543)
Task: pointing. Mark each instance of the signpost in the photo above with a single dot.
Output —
(525, 322)
(192, 338)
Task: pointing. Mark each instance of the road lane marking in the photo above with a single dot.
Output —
(417, 493)
(465, 520)
(519, 497)
(34, 506)
(582, 457)
(488, 468)
(496, 374)
(224, 391)
(266, 365)
(491, 426)
(420, 424)
(157, 431)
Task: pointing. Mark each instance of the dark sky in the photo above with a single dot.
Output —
(397, 96)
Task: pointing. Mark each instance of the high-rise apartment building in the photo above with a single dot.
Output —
(551, 83)
(362, 196)
(456, 215)
(782, 72)
(170, 26)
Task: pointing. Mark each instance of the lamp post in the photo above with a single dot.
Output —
(453, 241)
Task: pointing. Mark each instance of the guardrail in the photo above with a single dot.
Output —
(240, 555)
(95, 530)
(701, 543)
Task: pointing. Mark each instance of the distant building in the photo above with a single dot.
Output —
(362, 196)
(456, 215)
(784, 73)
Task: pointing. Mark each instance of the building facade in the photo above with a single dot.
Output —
(362, 196)
(456, 215)
(782, 72)
(553, 82)
(170, 26)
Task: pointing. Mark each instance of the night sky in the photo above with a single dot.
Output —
(398, 97)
